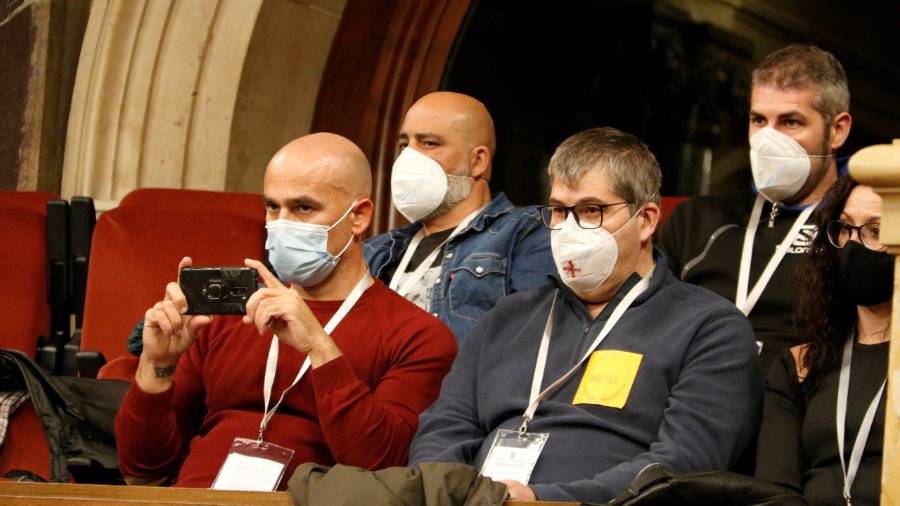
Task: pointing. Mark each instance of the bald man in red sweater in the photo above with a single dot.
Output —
(372, 360)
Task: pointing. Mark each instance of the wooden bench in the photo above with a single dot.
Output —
(58, 494)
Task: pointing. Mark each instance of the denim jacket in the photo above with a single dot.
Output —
(502, 251)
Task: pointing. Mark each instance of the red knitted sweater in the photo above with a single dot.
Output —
(360, 409)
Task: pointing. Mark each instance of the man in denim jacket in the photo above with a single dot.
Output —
(464, 248)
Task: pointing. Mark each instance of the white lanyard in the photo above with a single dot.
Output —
(743, 300)
(536, 396)
(426, 263)
(272, 361)
(862, 436)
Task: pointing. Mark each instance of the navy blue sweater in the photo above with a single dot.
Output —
(694, 404)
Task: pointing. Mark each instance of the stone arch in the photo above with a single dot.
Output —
(192, 93)
(386, 54)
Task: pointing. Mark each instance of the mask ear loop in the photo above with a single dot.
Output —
(791, 157)
(633, 216)
(336, 258)
(309, 226)
(344, 215)
(461, 177)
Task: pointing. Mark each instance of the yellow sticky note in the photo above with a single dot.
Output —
(608, 378)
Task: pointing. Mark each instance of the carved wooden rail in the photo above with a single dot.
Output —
(879, 167)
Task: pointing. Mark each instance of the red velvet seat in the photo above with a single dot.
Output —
(197, 201)
(668, 205)
(23, 294)
(135, 251)
(25, 447)
(121, 368)
(25, 315)
(24, 312)
(35, 201)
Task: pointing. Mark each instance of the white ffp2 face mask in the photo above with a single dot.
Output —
(418, 184)
(780, 165)
(584, 258)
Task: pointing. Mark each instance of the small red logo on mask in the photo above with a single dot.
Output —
(571, 269)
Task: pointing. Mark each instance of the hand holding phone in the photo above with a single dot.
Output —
(217, 290)
(282, 310)
(168, 333)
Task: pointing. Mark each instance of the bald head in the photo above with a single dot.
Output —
(327, 159)
(455, 114)
(457, 132)
(322, 180)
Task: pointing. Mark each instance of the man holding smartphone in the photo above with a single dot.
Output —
(333, 368)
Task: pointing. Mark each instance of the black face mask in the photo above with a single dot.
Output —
(867, 277)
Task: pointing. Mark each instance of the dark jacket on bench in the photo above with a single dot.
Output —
(77, 417)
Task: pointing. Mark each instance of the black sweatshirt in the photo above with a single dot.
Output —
(797, 440)
(703, 241)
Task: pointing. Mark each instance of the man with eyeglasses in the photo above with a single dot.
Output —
(746, 245)
(567, 391)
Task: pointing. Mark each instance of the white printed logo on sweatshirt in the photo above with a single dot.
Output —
(804, 240)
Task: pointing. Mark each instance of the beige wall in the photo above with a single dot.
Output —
(280, 83)
(192, 93)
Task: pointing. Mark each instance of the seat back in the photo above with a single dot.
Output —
(35, 201)
(197, 201)
(24, 312)
(135, 252)
(667, 205)
(25, 447)
(36, 292)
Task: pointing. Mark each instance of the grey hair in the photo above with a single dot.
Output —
(632, 169)
(799, 66)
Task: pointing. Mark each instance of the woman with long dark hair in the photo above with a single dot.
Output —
(823, 417)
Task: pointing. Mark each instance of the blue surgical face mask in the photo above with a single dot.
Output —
(299, 251)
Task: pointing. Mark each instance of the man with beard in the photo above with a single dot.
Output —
(746, 245)
(464, 248)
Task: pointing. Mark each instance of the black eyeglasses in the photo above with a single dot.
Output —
(586, 215)
(840, 232)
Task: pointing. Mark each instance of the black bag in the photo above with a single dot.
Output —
(77, 415)
(655, 485)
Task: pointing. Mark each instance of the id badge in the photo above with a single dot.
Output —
(253, 466)
(513, 455)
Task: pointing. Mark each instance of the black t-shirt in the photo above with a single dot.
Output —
(703, 241)
(426, 246)
(797, 445)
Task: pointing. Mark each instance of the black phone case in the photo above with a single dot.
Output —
(217, 290)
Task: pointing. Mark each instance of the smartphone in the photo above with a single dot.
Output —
(217, 290)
